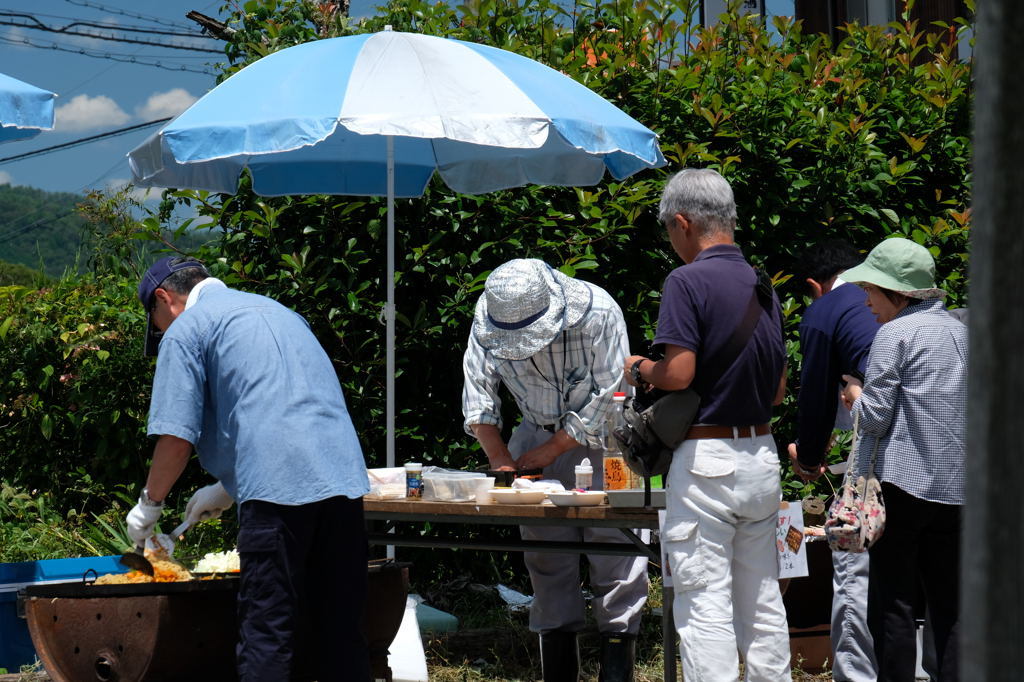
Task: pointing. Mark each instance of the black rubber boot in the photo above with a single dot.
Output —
(618, 651)
(559, 656)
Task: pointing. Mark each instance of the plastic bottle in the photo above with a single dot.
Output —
(617, 475)
(413, 480)
(584, 475)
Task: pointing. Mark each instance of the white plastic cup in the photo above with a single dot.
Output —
(482, 494)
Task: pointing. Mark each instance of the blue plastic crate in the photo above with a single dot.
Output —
(16, 647)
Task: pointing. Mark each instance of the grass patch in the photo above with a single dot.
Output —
(495, 644)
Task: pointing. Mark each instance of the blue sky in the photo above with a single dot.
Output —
(97, 95)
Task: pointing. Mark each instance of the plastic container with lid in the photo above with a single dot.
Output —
(584, 475)
(444, 485)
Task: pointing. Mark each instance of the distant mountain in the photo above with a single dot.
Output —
(39, 227)
(11, 273)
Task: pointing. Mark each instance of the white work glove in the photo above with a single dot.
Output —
(208, 503)
(142, 520)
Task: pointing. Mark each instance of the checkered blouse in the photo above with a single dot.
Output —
(914, 404)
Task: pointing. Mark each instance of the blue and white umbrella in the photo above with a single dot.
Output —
(314, 119)
(25, 110)
(378, 114)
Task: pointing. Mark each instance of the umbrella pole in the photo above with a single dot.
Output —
(389, 316)
(389, 312)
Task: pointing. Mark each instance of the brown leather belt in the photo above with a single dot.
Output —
(714, 431)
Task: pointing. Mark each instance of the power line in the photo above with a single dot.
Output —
(38, 25)
(42, 222)
(130, 28)
(84, 140)
(113, 56)
(124, 13)
(31, 224)
(71, 47)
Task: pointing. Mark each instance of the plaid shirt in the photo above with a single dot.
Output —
(568, 384)
(914, 404)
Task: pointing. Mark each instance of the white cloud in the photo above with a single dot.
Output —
(5, 178)
(15, 38)
(163, 104)
(89, 113)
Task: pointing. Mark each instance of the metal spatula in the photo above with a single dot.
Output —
(166, 542)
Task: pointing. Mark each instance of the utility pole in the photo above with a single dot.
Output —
(992, 595)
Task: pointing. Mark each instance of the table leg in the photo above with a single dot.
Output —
(651, 550)
(668, 633)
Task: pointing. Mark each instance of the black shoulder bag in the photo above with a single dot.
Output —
(656, 422)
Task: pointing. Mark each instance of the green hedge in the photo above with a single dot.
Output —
(818, 140)
(864, 139)
(74, 386)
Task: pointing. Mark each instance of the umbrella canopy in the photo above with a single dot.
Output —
(25, 110)
(378, 114)
(314, 118)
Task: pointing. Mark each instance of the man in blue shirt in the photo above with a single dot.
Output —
(835, 336)
(243, 380)
(724, 483)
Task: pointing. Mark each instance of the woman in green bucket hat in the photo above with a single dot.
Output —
(911, 413)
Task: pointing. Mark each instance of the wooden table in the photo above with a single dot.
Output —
(601, 516)
(392, 512)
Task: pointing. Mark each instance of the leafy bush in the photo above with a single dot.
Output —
(13, 273)
(865, 139)
(74, 386)
(38, 524)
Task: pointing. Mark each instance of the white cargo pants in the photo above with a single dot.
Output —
(722, 510)
(619, 583)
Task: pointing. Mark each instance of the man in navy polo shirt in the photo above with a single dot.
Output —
(724, 484)
(835, 336)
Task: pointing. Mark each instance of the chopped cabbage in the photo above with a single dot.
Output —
(218, 562)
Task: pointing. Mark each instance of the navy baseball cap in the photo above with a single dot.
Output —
(150, 282)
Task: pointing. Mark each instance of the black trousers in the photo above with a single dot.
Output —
(919, 548)
(302, 592)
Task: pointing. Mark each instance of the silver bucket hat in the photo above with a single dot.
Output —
(525, 304)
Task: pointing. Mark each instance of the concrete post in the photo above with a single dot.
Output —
(992, 614)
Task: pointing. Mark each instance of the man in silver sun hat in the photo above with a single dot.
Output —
(525, 305)
(558, 345)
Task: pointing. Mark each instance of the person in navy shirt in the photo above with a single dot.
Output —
(724, 485)
(835, 336)
(242, 379)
